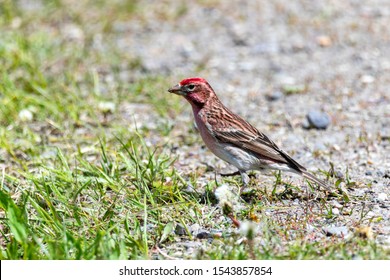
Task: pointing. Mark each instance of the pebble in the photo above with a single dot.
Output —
(180, 230)
(203, 235)
(306, 124)
(368, 173)
(324, 41)
(266, 48)
(337, 205)
(319, 146)
(275, 95)
(310, 228)
(317, 119)
(195, 229)
(287, 80)
(385, 134)
(360, 192)
(382, 197)
(239, 34)
(338, 174)
(335, 211)
(336, 231)
(190, 189)
(367, 79)
(380, 173)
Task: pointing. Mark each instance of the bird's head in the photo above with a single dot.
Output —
(196, 90)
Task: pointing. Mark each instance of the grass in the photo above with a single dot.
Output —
(80, 179)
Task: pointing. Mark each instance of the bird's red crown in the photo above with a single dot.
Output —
(192, 80)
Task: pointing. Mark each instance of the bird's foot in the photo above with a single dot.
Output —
(235, 174)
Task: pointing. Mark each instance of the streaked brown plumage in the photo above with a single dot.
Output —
(233, 139)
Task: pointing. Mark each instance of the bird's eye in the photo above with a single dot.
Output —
(191, 87)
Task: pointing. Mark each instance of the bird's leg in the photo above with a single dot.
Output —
(236, 173)
(245, 180)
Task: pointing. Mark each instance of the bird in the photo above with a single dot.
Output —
(233, 139)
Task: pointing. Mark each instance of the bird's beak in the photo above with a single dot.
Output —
(176, 90)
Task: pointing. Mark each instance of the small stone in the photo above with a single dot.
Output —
(382, 197)
(203, 235)
(306, 124)
(380, 173)
(385, 134)
(338, 174)
(367, 79)
(190, 189)
(336, 231)
(287, 81)
(239, 34)
(310, 228)
(360, 192)
(324, 41)
(195, 229)
(180, 230)
(318, 120)
(336, 147)
(337, 205)
(368, 173)
(319, 146)
(275, 95)
(335, 211)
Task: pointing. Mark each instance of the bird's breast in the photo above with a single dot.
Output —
(204, 130)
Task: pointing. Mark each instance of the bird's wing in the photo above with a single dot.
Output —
(242, 134)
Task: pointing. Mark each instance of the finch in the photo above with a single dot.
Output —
(233, 139)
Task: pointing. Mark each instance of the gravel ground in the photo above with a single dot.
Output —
(275, 61)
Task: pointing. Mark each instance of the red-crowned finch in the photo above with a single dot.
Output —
(233, 139)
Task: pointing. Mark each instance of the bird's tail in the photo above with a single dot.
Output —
(314, 179)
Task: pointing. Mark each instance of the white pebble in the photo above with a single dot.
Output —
(287, 80)
(310, 228)
(337, 205)
(335, 211)
(25, 115)
(382, 197)
(367, 79)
